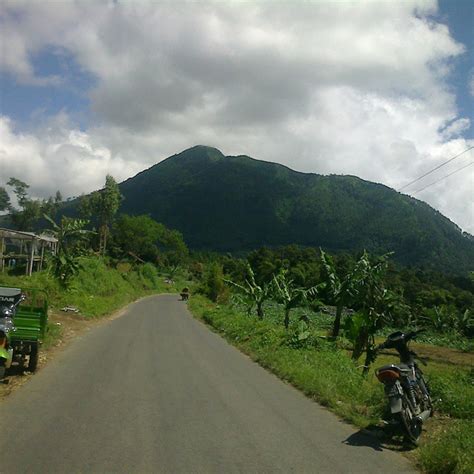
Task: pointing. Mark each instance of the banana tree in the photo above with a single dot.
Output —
(374, 303)
(68, 232)
(254, 295)
(289, 295)
(342, 291)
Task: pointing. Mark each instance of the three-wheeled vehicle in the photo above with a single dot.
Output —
(22, 327)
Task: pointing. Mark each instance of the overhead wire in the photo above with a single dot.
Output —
(444, 177)
(436, 168)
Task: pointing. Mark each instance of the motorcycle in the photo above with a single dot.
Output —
(10, 298)
(407, 391)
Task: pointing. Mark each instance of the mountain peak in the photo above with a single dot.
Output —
(199, 152)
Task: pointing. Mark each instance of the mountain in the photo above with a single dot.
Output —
(237, 203)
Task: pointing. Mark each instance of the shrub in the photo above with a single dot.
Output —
(212, 284)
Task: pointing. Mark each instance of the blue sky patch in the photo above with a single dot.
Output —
(459, 16)
(67, 90)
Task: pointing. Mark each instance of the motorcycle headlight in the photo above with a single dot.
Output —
(6, 325)
(6, 313)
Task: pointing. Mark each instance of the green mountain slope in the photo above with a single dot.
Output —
(238, 203)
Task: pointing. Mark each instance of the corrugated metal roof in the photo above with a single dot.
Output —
(17, 234)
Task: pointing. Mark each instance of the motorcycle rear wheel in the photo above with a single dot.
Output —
(410, 424)
(33, 358)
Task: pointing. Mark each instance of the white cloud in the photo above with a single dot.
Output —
(58, 157)
(356, 88)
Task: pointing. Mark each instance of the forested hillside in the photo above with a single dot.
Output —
(237, 203)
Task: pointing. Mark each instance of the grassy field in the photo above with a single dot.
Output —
(325, 372)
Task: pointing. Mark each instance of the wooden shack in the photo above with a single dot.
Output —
(18, 246)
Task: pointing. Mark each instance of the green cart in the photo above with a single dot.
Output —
(23, 324)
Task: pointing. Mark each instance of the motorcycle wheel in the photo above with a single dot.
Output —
(33, 358)
(428, 403)
(2, 368)
(410, 424)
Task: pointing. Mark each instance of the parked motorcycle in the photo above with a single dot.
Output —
(10, 298)
(407, 391)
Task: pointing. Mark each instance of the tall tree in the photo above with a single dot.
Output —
(20, 189)
(4, 200)
(30, 210)
(102, 206)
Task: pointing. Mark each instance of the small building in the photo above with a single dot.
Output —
(17, 246)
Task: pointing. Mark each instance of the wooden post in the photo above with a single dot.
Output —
(42, 255)
(32, 255)
(2, 257)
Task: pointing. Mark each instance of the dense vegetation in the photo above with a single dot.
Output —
(239, 204)
(430, 299)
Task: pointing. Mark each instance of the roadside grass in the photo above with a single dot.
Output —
(451, 450)
(325, 373)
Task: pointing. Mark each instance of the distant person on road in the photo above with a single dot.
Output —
(184, 294)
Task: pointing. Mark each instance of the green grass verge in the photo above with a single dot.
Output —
(451, 451)
(326, 373)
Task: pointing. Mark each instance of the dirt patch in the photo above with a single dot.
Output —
(437, 354)
(444, 355)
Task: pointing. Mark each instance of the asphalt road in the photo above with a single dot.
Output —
(155, 391)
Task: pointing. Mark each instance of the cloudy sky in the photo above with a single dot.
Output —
(379, 89)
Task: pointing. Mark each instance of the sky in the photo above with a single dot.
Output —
(380, 89)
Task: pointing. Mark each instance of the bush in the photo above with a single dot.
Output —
(212, 284)
(149, 274)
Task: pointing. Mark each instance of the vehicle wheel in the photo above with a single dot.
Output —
(33, 358)
(2, 368)
(428, 403)
(410, 424)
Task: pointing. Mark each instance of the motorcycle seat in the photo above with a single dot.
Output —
(9, 295)
(401, 368)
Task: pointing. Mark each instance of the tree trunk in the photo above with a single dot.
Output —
(103, 238)
(337, 321)
(360, 343)
(369, 358)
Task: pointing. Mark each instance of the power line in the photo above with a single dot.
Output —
(440, 179)
(437, 168)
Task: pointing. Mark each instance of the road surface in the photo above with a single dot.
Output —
(155, 391)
